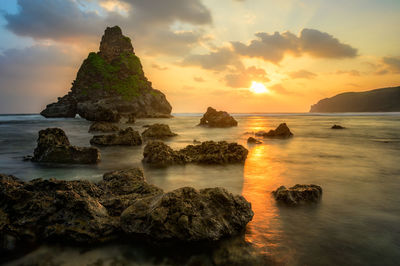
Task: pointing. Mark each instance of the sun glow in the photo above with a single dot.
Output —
(258, 88)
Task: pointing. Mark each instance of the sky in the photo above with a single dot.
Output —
(234, 55)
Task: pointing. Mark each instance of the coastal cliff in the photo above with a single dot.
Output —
(110, 84)
(379, 100)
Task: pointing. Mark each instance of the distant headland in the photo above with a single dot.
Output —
(378, 100)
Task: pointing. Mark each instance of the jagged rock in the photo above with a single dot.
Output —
(103, 127)
(187, 214)
(125, 137)
(252, 140)
(131, 119)
(158, 131)
(110, 84)
(298, 194)
(337, 127)
(209, 152)
(53, 146)
(282, 131)
(214, 118)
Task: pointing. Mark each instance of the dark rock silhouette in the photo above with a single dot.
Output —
(157, 153)
(53, 147)
(298, 194)
(103, 127)
(214, 118)
(282, 131)
(337, 127)
(125, 137)
(158, 131)
(252, 140)
(85, 212)
(110, 84)
(379, 100)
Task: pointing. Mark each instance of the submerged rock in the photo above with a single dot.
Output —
(110, 84)
(157, 153)
(103, 127)
(252, 140)
(123, 202)
(282, 131)
(53, 146)
(187, 214)
(214, 118)
(298, 194)
(337, 127)
(158, 131)
(125, 137)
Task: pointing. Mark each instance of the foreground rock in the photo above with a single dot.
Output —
(158, 131)
(252, 140)
(298, 194)
(111, 84)
(53, 147)
(86, 212)
(214, 118)
(282, 131)
(337, 127)
(157, 153)
(125, 137)
(103, 127)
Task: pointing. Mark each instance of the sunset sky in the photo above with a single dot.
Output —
(205, 52)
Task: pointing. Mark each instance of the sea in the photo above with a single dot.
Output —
(357, 221)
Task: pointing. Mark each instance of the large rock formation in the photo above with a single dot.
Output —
(86, 212)
(53, 147)
(379, 100)
(124, 137)
(157, 153)
(110, 84)
(158, 131)
(298, 194)
(214, 118)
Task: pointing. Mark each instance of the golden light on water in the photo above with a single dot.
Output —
(258, 88)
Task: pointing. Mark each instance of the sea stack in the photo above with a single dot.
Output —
(110, 84)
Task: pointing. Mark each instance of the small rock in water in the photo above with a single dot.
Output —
(298, 194)
(103, 127)
(53, 146)
(337, 127)
(282, 131)
(131, 119)
(158, 131)
(214, 118)
(195, 141)
(252, 140)
(125, 137)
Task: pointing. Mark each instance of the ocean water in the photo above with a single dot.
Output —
(356, 223)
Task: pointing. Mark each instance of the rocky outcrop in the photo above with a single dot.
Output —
(111, 84)
(158, 131)
(282, 131)
(125, 137)
(157, 153)
(103, 127)
(379, 100)
(337, 127)
(123, 204)
(187, 214)
(252, 140)
(298, 194)
(214, 118)
(53, 147)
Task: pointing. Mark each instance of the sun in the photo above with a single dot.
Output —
(258, 88)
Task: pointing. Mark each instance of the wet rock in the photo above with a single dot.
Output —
(214, 118)
(103, 127)
(208, 152)
(65, 107)
(53, 146)
(98, 111)
(252, 140)
(282, 131)
(125, 137)
(158, 131)
(298, 194)
(337, 127)
(195, 141)
(131, 119)
(187, 214)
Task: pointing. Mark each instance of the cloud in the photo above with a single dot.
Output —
(352, 72)
(393, 63)
(219, 59)
(302, 74)
(198, 79)
(278, 88)
(156, 66)
(274, 47)
(243, 78)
